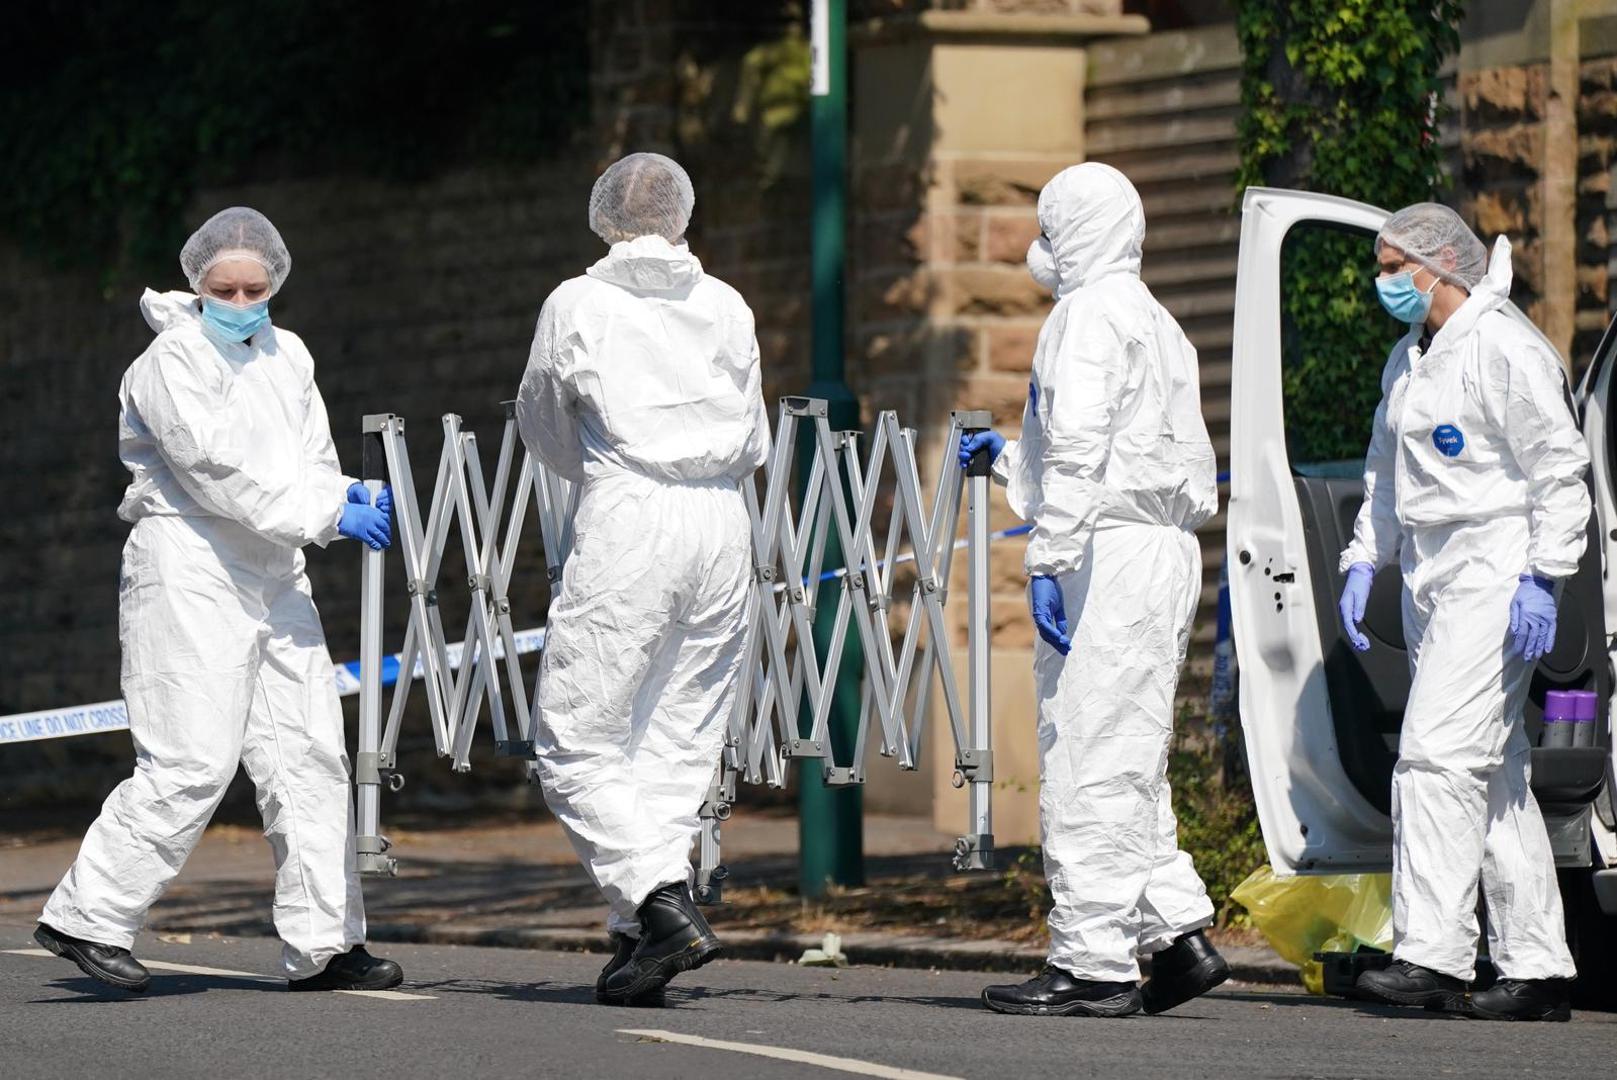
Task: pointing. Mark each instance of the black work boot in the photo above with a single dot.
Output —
(674, 937)
(1186, 969)
(623, 948)
(1403, 983)
(103, 963)
(1054, 992)
(1524, 999)
(355, 969)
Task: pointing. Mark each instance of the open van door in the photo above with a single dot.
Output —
(1321, 722)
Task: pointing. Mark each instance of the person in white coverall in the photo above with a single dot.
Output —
(1474, 486)
(1115, 472)
(224, 661)
(644, 387)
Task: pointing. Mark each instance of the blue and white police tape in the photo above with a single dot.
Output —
(61, 723)
(527, 641)
(832, 575)
(107, 716)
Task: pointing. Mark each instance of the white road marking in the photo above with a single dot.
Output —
(824, 1061)
(197, 969)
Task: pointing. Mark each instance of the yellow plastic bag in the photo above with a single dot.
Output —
(1332, 913)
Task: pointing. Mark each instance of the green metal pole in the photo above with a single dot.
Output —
(830, 827)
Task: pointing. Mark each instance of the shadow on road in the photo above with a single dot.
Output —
(702, 993)
(548, 992)
(92, 992)
(680, 995)
(1363, 1008)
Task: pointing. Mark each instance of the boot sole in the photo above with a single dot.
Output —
(1430, 1000)
(690, 958)
(387, 983)
(1183, 987)
(653, 999)
(1558, 1014)
(1106, 1008)
(68, 952)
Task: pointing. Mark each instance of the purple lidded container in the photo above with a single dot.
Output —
(1560, 713)
(1585, 711)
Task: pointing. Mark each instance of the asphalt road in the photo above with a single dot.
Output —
(489, 1013)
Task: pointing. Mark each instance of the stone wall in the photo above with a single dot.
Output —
(1512, 157)
(1597, 154)
(1501, 123)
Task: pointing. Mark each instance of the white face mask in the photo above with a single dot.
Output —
(1041, 263)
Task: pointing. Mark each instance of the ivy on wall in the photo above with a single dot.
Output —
(1343, 97)
(118, 111)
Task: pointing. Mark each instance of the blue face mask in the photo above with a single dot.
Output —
(1403, 299)
(234, 323)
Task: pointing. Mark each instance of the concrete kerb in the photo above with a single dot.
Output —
(1248, 964)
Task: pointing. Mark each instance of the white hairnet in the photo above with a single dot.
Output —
(1439, 239)
(237, 233)
(642, 195)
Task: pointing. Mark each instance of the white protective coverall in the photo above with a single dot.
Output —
(1510, 501)
(1115, 471)
(224, 660)
(644, 386)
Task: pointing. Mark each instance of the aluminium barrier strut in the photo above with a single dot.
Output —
(898, 547)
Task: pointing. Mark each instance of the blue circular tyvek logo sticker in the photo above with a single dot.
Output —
(1449, 440)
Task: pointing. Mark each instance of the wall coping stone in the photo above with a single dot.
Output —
(993, 28)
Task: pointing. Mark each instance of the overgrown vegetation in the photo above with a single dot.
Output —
(118, 111)
(1343, 97)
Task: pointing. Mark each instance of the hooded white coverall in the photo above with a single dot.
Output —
(1510, 501)
(1115, 472)
(644, 387)
(224, 659)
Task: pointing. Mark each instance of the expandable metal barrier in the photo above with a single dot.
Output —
(782, 670)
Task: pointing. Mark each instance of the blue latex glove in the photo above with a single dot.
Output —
(370, 525)
(359, 493)
(1049, 613)
(1351, 606)
(1532, 617)
(970, 444)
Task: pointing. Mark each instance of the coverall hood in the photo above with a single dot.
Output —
(649, 264)
(168, 309)
(1491, 293)
(1095, 223)
(1115, 473)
